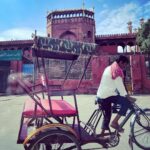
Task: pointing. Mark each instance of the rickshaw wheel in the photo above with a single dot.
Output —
(55, 140)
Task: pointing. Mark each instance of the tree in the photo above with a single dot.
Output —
(143, 37)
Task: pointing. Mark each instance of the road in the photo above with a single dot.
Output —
(10, 114)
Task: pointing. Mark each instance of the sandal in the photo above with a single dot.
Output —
(117, 127)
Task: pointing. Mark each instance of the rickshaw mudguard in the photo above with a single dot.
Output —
(48, 127)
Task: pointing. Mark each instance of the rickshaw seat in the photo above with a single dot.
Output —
(30, 108)
(59, 107)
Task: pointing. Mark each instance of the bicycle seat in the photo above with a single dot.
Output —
(98, 100)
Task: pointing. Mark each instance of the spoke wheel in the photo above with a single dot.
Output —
(140, 130)
(54, 140)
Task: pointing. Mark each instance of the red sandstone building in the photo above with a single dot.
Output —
(78, 25)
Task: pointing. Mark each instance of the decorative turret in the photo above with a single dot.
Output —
(77, 25)
(141, 21)
(129, 27)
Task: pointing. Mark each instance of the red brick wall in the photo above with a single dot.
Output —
(79, 26)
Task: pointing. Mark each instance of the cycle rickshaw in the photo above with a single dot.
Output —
(49, 115)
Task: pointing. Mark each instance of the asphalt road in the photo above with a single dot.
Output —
(10, 115)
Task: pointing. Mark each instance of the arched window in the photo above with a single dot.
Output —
(120, 49)
(68, 35)
(89, 34)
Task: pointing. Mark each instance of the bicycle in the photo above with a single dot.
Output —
(140, 121)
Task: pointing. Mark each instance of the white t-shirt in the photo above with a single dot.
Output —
(109, 87)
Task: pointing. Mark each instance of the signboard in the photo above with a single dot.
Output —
(61, 45)
(8, 55)
(28, 69)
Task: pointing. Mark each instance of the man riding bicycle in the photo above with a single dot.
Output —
(112, 90)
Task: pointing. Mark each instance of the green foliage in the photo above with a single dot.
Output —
(143, 37)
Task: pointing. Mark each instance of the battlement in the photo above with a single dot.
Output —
(16, 42)
(57, 14)
(112, 36)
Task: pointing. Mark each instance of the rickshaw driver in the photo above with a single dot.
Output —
(112, 90)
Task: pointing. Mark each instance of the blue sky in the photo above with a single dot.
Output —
(19, 18)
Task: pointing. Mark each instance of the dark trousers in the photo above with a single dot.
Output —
(107, 108)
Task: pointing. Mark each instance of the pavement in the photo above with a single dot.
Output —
(10, 115)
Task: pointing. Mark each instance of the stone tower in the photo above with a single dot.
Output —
(77, 25)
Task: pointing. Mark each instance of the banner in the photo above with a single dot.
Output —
(28, 69)
(8, 55)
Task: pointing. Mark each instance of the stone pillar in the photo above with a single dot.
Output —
(136, 73)
(14, 65)
(19, 66)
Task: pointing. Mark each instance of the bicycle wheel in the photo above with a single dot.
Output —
(140, 129)
(54, 140)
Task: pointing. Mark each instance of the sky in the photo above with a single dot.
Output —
(20, 18)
